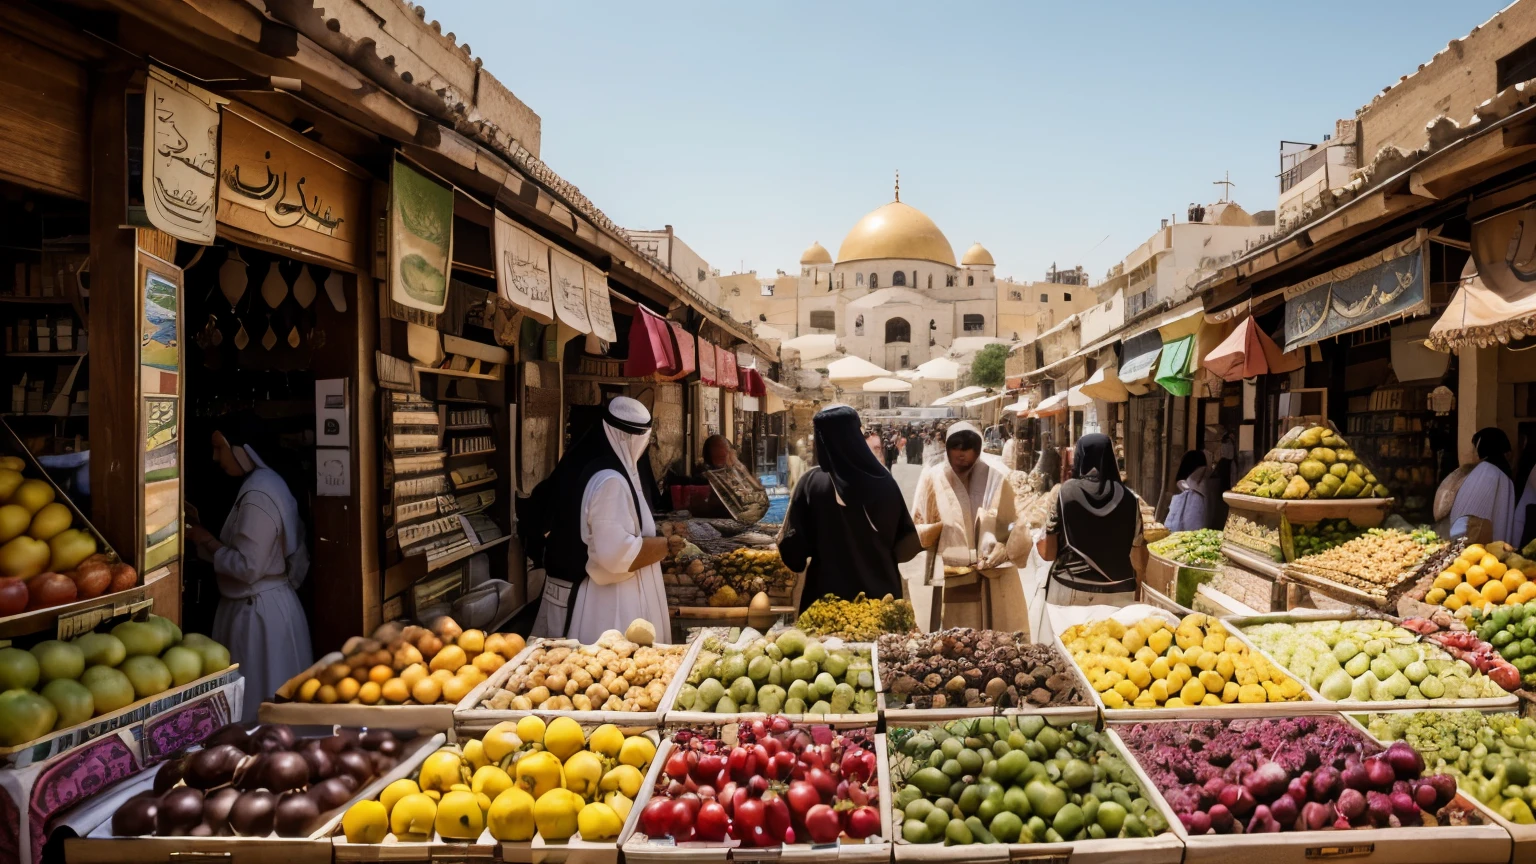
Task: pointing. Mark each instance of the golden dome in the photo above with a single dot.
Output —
(896, 231)
(978, 255)
(816, 254)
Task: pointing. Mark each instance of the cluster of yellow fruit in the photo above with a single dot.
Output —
(1151, 665)
(411, 663)
(519, 780)
(1480, 577)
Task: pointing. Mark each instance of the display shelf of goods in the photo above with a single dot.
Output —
(1373, 569)
(403, 675)
(1145, 663)
(516, 792)
(621, 678)
(1200, 548)
(782, 673)
(1300, 788)
(1311, 463)
(1476, 578)
(59, 694)
(1252, 532)
(1371, 664)
(1021, 787)
(862, 619)
(694, 576)
(1491, 757)
(792, 790)
(965, 672)
(247, 796)
(53, 563)
(1300, 539)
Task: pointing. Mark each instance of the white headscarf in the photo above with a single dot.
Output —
(629, 447)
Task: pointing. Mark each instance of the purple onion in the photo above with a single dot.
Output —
(1379, 773)
(1405, 761)
(1325, 784)
(1316, 816)
(1353, 777)
(1378, 807)
(1406, 809)
(1351, 804)
(1221, 819)
(1445, 789)
(1263, 822)
(1285, 810)
(1426, 797)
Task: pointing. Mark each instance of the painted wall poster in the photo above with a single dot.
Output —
(420, 239)
(162, 481)
(522, 270)
(159, 346)
(277, 184)
(570, 291)
(181, 157)
(599, 303)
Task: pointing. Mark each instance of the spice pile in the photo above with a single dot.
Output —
(962, 668)
(858, 620)
(1373, 563)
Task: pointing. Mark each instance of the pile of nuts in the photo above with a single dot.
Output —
(614, 674)
(964, 668)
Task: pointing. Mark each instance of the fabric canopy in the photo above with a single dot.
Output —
(1139, 356)
(812, 346)
(684, 342)
(652, 350)
(1020, 406)
(709, 375)
(981, 400)
(887, 385)
(1076, 398)
(960, 395)
(1480, 314)
(938, 369)
(1105, 384)
(1173, 367)
(1051, 405)
(848, 371)
(1249, 352)
(725, 368)
(751, 382)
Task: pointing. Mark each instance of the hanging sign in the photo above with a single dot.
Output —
(420, 239)
(570, 291)
(599, 304)
(181, 157)
(1389, 284)
(522, 269)
(276, 184)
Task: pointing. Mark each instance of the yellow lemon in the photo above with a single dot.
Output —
(1447, 581)
(1494, 591)
(555, 814)
(530, 730)
(539, 772)
(1453, 602)
(511, 816)
(606, 740)
(637, 751)
(1434, 596)
(1513, 579)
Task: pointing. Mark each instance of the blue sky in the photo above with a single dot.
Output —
(1048, 131)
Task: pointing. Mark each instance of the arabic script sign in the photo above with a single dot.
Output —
(1386, 285)
(599, 307)
(181, 157)
(570, 291)
(275, 183)
(522, 269)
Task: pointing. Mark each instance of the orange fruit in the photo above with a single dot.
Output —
(1459, 566)
(427, 691)
(369, 693)
(394, 690)
(1513, 579)
(347, 689)
(381, 673)
(1496, 570)
(1494, 591)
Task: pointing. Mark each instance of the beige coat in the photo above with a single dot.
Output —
(962, 525)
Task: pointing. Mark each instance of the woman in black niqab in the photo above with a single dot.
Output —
(847, 527)
(1092, 533)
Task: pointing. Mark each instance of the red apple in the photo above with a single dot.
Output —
(13, 596)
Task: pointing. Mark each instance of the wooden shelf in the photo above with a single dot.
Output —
(451, 373)
(45, 354)
(467, 428)
(475, 484)
(471, 453)
(460, 555)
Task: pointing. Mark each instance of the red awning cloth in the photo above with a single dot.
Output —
(752, 383)
(651, 347)
(1014, 382)
(727, 369)
(1249, 352)
(684, 348)
(709, 373)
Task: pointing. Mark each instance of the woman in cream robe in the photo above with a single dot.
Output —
(963, 519)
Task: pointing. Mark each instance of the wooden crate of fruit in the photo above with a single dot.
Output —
(506, 830)
(1274, 843)
(124, 829)
(684, 711)
(70, 574)
(1497, 699)
(1010, 841)
(918, 688)
(401, 677)
(1276, 697)
(481, 709)
(864, 839)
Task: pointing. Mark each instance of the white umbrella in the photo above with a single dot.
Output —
(960, 395)
(1018, 407)
(1076, 398)
(887, 385)
(938, 369)
(812, 346)
(851, 371)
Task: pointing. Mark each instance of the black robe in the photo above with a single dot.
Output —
(845, 553)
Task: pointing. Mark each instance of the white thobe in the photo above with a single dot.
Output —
(1487, 493)
(612, 595)
(260, 619)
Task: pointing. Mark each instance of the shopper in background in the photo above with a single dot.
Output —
(1217, 481)
(1093, 534)
(1487, 492)
(914, 446)
(875, 443)
(847, 527)
(259, 559)
(1186, 512)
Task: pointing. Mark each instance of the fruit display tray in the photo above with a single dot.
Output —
(709, 718)
(99, 846)
(412, 715)
(1085, 713)
(469, 716)
(60, 740)
(1363, 512)
(638, 849)
(487, 848)
(1165, 848)
(1523, 836)
(1469, 844)
(1489, 705)
(1232, 710)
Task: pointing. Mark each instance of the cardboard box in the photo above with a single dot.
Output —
(37, 794)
